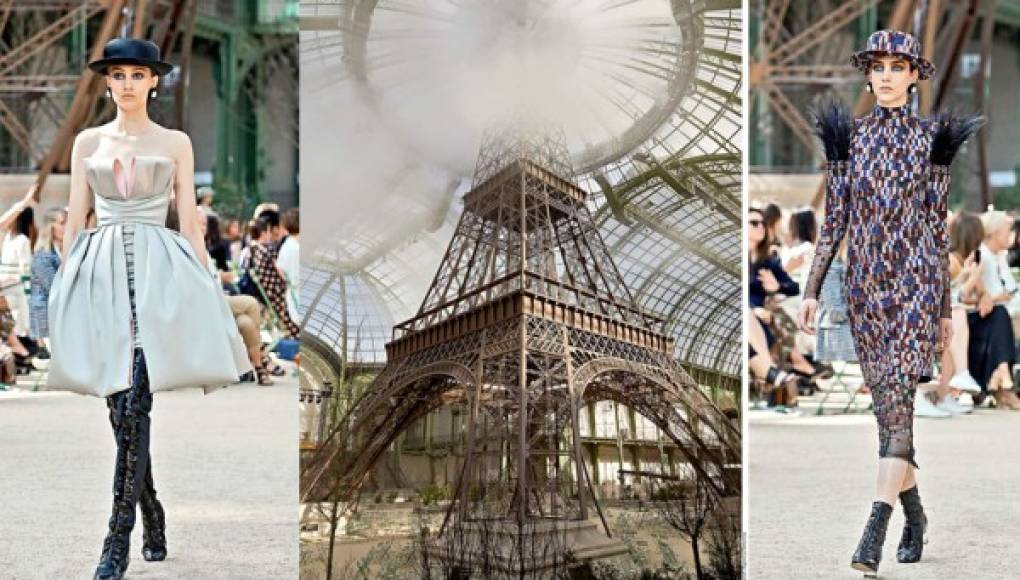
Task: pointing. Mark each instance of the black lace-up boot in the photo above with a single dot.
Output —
(869, 551)
(915, 529)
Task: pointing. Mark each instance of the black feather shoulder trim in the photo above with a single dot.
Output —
(951, 130)
(834, 125)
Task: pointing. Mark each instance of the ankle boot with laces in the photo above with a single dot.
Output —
(915, 529)
(869, 550)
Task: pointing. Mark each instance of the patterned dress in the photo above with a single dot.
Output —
(890, 201)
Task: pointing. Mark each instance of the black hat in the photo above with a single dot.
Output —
(131, 51)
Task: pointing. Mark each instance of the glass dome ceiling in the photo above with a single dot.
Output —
(647, 91)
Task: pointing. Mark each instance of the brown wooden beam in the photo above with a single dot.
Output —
(790, 114)
(45, 37)
(820, 74)
(931, 23)
(17, 130)
(190, 12)
(980, 88)
(820, 30)
(84, 96)
(772, 26)
(37, 83)
(139, 17)
(959, 43)
(5, 14)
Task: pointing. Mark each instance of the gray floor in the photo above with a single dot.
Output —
(812, 483)
(225, 466)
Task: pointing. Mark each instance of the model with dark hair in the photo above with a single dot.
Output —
(132, 308)
(887, 189)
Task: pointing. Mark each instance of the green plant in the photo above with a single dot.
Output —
(433, 493)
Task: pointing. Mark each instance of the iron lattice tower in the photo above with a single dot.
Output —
(527, 320)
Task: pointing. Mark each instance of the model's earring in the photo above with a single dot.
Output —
(153, 94)
(867, 87)
(912, 88)
(109, 95)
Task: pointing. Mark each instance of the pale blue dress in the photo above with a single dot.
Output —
(132, 283)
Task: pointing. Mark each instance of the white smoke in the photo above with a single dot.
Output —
(380, 163)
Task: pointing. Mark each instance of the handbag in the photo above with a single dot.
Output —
(246, 284)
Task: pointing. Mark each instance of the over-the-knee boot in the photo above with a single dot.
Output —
(915, 529)
(115, 557)
(153, 518)
(153, 522)
(869, 550)
(129, 413)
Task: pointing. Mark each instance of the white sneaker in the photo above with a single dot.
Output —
(949, 403)
(924, 408)
(965, 400)
(964, 382)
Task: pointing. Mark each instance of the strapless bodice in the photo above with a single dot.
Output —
(139, 210)
(148, 195)
(153, 175)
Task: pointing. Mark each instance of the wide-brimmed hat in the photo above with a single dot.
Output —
(893, 43)
(131, 51)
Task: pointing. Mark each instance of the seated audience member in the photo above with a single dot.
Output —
(277, 235)
(8, 366)
(956, 385)
(219, 253)
(796, 256)
(45, 262)
(247, 315)
(767, 276)
(768, 279)
(772, 215)
(204, 198)
(16, 261)
(1013, 254)
(991, 351)
(261, 267)
(782, 385)
(289, 259)
(232, 234)
(799, 250)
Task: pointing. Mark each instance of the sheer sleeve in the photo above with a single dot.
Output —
(937, 193)
(837, 194)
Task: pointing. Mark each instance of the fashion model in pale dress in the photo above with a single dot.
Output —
(132, 309)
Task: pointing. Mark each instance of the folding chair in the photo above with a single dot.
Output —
(274, 322)
(840, 382)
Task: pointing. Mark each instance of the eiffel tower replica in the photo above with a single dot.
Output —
(527, 320)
